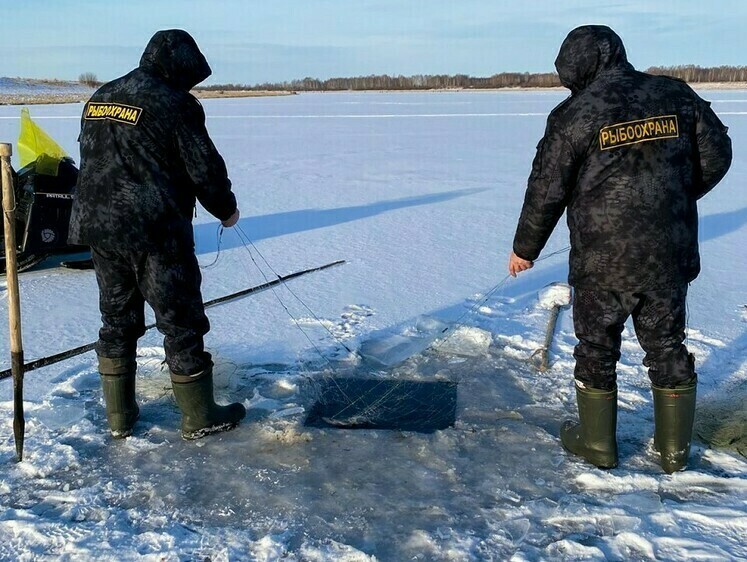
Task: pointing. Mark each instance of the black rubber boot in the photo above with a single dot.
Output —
(118, 385)
(674, 414)
(594, 438)
(201, 416)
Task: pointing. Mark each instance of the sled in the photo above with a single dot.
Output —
(43, 206)
(43, 189)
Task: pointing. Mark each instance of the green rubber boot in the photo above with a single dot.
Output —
(118, 385)
(674, 414)
(201, 416)
(594, 438)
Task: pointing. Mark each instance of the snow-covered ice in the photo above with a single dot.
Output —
(19, 90)
(420, 193)
(555, 295)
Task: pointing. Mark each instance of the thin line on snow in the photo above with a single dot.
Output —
(39, 117)
(377, 116)
(320, 116)
(351, 116)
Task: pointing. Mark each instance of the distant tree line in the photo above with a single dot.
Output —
(698, 74)
(417, 82)
(689, 73)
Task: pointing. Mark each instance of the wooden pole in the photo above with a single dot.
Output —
(560, 300)
(14, 303)
(544, 351)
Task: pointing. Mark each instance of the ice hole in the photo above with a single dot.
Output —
(405, 405)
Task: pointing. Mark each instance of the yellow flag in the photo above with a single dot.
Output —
(35, 145)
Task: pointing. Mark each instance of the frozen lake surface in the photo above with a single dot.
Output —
(420, 193)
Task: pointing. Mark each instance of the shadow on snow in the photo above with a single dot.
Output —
(290, 222)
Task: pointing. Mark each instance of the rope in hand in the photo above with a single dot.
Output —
(244, 236)
(249, 245)
(247, 242)
(459, 322)
(219, 240)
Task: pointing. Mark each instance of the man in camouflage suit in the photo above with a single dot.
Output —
(628, 154)
(146, 158)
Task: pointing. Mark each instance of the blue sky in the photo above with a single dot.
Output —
(250, 41)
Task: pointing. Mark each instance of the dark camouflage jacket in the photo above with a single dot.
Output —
(146, 155)
(628, 154)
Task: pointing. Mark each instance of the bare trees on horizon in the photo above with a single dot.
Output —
(89, 79)
(689, 73)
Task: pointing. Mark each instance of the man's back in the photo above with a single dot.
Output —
(633, 213)
(628, 154)
(146, 156)
(127, 171)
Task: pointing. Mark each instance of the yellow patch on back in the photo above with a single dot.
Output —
(113, 111)
(641, 130)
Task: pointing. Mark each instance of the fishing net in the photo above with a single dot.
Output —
(405, 405)
(722, 422)
(361, 401)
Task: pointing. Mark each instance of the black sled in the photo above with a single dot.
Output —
(43, 206)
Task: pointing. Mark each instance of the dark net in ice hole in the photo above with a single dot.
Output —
(405, 405)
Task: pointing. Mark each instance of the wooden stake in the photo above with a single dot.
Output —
(14, 303)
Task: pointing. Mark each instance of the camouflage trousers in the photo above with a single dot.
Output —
(659, 321)
(169, 281)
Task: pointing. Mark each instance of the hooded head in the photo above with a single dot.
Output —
(173, 55)
(588, 51)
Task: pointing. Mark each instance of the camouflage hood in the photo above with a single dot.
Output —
(174, 55)
(588, 51)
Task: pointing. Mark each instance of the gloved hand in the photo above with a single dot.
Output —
(232, 220)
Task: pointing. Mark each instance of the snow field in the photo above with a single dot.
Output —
(423, 209)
